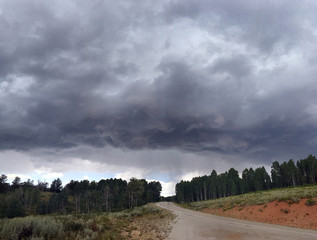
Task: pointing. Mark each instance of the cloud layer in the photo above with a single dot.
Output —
(230, 80)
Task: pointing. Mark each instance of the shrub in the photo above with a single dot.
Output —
(151, 209)
(35, 227)
(310, 202)
(286, 210)
(137, 212)
(72, 226)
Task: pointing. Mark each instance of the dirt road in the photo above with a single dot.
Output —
(196, 225)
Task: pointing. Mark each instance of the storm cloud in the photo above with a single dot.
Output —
(220, 81)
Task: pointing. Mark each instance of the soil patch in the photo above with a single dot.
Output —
(282, 213)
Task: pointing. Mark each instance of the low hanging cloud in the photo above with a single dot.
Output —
(232, 81)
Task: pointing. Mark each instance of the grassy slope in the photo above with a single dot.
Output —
(290, 195)
(130, 224)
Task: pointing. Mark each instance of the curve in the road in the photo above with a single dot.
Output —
(196, 225)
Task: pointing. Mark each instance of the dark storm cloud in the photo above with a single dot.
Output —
(121, 74)
(264, 25)
(238, 66)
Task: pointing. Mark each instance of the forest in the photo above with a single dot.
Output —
(26, 198)
(286, 174)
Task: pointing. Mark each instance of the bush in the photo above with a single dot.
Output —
(35, 227)
(72, 226)
(286, 210)
(137, 212)
(310, 202)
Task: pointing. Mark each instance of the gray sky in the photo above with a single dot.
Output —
(162, 90)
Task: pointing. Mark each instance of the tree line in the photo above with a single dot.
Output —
(230, 183)
(107, 195)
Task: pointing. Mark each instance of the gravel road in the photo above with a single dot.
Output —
(196, 225)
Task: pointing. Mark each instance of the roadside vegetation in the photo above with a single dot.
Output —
(290, 195)
(230, 183)
(20, 199)
(146, 222)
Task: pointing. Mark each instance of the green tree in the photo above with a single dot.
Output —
(154, 189)
(16, 183)
(42, 186)
(4, 186)
(135, 192)
(276, 175)
(233, 182)
(293, 173)
(311, 162)
(56, 186)
(213, 185)
(262, 180)
(222, 181)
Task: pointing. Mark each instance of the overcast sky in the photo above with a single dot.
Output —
(162, 90)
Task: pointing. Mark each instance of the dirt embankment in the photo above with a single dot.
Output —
(282, 213)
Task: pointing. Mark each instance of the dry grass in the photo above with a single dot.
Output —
(156, 224)
(290, 195)
(147, 222)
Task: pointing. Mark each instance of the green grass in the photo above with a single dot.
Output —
(290, 195)
(83, 226)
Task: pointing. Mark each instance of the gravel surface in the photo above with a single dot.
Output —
(196, 225)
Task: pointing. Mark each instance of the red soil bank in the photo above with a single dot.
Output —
(281, 213)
